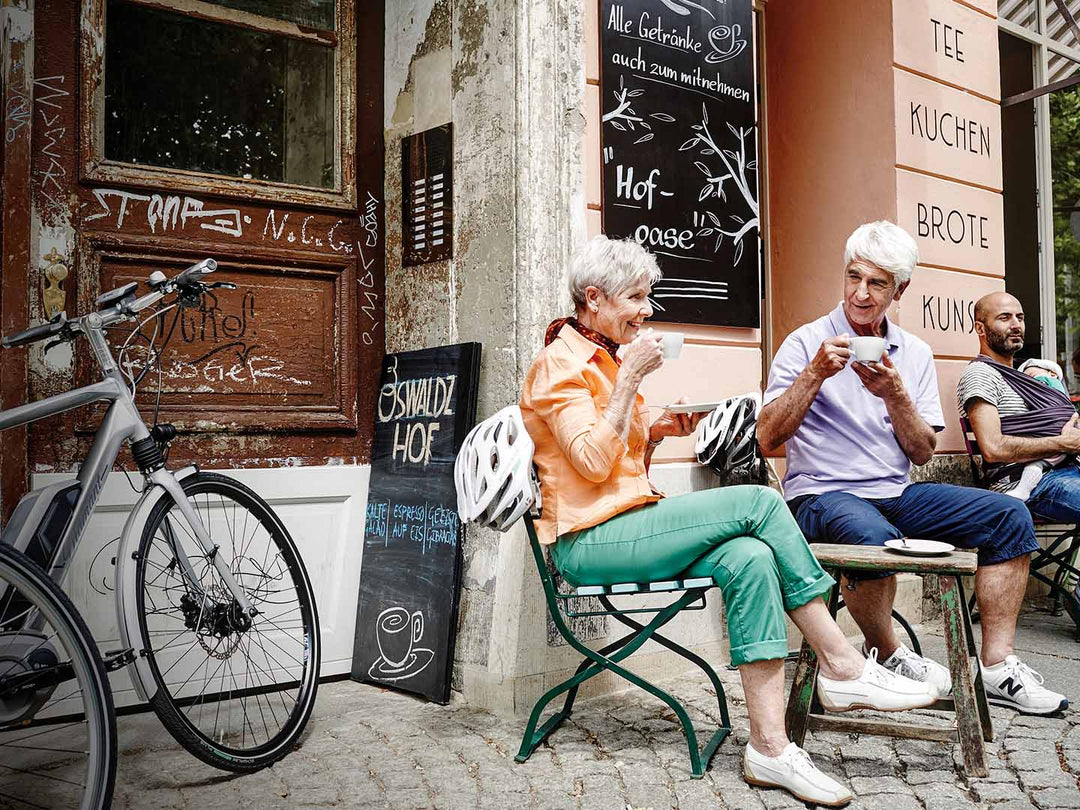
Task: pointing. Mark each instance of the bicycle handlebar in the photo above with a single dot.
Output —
(195, 272)
(33, 334)
(120, 311)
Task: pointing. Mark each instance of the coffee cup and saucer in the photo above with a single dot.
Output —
(867, 348)
(397, 632)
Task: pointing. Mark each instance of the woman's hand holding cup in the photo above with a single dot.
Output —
(642, 356)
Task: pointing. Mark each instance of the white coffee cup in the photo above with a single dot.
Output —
(672, 342)
(868, 349)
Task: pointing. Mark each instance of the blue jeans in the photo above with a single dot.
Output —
(1057, 495)
(998, 526)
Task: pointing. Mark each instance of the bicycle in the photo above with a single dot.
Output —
(217, 617)
(59, 745)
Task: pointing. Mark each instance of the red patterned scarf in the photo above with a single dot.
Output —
(601, 340)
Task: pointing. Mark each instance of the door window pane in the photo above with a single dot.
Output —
(187, 93)
(313, 13)
(1058, 27)
(1065, 178)
(1022, 12)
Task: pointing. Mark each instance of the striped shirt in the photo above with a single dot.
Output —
(982, 381)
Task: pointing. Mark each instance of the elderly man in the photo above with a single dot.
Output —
(1022, 426)
(852, 431)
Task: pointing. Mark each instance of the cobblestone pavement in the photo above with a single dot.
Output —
(369, 748)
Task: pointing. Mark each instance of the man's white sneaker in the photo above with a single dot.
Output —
(796, 773)
(877, 688)
(925, 670)
(1014, 684)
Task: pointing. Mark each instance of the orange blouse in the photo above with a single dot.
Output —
(587, 473)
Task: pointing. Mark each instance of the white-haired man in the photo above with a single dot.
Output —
(852, 431)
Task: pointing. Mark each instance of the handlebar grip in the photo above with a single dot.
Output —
(32, 335)
(196, 271)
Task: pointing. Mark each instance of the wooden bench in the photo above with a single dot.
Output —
(690, 596)
(969, 698)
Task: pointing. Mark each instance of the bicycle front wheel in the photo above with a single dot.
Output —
(235, 689)
(57, 725)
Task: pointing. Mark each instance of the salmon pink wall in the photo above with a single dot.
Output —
(948, 178)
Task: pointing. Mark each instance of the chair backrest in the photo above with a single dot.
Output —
(971, 444)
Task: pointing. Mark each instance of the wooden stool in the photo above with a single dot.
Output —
(969, 702)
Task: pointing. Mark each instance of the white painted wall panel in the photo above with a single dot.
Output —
(323, 509)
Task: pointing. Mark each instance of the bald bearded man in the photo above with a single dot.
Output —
(1017, 420)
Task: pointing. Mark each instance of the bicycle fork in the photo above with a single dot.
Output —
(165, 479)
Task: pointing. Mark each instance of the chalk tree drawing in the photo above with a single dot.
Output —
(735, 168)
(624, 118)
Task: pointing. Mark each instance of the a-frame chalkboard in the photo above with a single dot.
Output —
(410, 576)
(680, 151)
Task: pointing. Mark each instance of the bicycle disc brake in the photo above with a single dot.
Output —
(220, 628)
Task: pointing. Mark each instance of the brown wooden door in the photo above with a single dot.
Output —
(162, 136)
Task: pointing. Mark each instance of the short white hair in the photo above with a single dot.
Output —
(883, 245)
(610, 265)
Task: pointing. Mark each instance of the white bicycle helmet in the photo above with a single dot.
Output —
(494, 473)
(727, 441)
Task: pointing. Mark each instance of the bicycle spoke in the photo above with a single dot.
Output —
(23, 801)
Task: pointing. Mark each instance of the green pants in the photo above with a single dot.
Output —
(743, 537)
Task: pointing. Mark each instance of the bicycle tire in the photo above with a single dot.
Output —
(31, 726)
(220, 634)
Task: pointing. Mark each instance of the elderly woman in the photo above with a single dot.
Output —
(608, 523)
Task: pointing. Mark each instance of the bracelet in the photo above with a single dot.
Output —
(655, 443)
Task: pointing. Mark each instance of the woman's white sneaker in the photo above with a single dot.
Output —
(1014, 684)
(796, 773)
(877, 688)
(914, 666)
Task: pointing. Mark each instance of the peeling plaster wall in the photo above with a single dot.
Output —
(510, 77)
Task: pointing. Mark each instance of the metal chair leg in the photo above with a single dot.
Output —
(598, 661)
(718, 687)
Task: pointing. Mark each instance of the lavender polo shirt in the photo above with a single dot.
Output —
(846, 442)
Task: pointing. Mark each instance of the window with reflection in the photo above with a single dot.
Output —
(250, 93)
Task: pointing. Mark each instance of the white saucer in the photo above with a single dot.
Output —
(919, 548)
(692, 407)
(417, 661)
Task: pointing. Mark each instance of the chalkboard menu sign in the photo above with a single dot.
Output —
(411, 571)
(679, 137)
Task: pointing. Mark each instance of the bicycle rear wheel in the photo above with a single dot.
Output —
(235, 690)
(57, 724)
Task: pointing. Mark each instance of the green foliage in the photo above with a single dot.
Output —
(1065, 169)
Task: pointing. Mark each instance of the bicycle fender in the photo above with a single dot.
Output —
(127, 605)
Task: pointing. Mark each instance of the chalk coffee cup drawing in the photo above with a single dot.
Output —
(868, 349)
(396, 631)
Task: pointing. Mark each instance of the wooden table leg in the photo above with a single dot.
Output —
(802, 694)
(980, 689)
(968, 726)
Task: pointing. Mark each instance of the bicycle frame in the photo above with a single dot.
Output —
(122, 423)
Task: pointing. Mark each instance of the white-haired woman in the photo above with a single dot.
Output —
(608, 524)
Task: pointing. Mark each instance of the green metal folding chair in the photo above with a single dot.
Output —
(691, 597)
